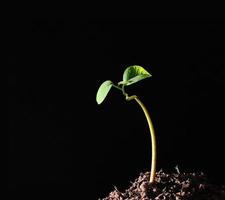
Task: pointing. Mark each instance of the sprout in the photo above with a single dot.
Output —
(132, 75)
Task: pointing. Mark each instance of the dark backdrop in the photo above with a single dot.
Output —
(62, 142)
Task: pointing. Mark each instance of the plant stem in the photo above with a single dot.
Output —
(152, 133)
(117, 87)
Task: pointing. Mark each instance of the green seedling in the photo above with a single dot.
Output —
(131, 75)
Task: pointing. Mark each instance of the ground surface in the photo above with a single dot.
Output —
(175, 186)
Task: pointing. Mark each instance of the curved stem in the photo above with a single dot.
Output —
(152, 133)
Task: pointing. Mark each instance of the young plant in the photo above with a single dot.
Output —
(132, 75)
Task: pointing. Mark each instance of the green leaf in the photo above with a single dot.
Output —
(103, 90)
(134, 74)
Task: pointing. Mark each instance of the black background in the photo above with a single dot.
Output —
(62, 142)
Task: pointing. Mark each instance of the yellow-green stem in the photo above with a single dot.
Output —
(152, 133)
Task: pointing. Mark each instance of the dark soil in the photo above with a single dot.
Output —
(175, 186)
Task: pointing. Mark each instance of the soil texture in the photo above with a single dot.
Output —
(173, 186)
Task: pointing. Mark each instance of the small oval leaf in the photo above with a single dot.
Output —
(134, 74)
(103, 90)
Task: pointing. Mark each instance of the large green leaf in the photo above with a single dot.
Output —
(134, 74)
(103, 90)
